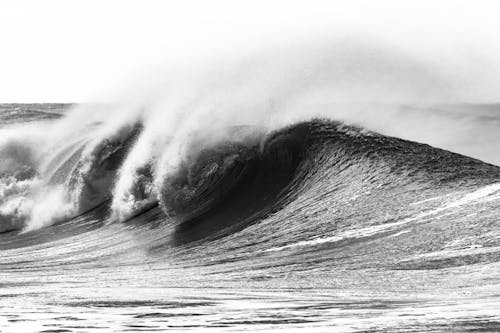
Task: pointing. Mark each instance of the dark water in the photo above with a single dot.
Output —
(318, 226)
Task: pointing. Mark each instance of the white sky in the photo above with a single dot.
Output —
(64, 50)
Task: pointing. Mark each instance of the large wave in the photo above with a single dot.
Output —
(236, 140)
(227, 181)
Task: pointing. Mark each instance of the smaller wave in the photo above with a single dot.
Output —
(17, 176)
(38, 190)
(91, 181)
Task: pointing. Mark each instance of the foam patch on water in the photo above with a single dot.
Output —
(477, 196)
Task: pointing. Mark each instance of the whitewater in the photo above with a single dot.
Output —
(327, 191)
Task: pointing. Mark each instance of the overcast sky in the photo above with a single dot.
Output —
(74, 51)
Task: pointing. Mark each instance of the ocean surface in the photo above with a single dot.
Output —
(314, 226)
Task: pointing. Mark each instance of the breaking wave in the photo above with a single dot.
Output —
(230, 147)
(235, 178)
